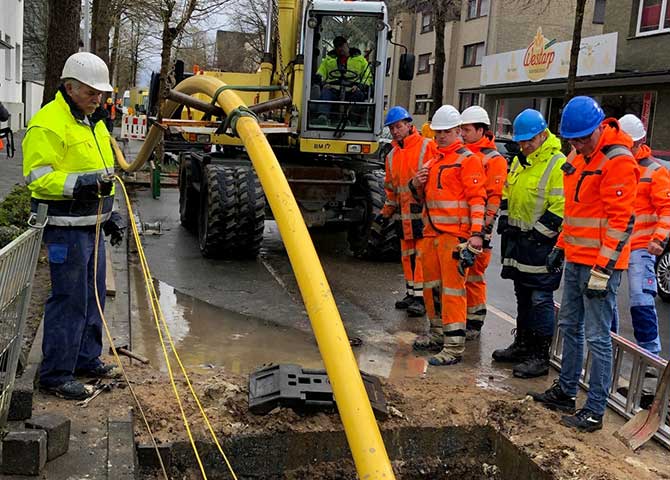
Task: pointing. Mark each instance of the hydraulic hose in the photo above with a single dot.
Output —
(361, 429)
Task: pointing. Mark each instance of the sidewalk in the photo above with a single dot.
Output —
(11, 169)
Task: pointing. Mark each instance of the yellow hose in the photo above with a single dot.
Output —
(365, 442)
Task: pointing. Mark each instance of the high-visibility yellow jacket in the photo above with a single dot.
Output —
(532, 212)
(355, 63)
(59, 146)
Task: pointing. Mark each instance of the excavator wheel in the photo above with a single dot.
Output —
(386, 249)
(188, 196)
(218, 212)
(250, 213)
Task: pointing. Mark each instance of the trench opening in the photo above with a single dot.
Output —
(463, 452)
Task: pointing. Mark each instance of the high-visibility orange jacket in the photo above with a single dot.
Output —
(402, 164)
(599, 202)
(495, 167)
(455, 194)
(652, 203)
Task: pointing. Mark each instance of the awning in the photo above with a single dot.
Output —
(627, 79)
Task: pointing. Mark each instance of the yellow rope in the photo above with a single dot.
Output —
(111, 342)
(158, 314)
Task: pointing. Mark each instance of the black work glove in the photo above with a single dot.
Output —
(503, 224)
(114, 228)
(555, 260)
(379, 223)
(91, 186)
(466, 257)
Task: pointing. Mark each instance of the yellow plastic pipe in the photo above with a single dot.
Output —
(360, 426)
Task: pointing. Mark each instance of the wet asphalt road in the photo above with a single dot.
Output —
(264, 289)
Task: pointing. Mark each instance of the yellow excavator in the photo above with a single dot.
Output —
(323, 123)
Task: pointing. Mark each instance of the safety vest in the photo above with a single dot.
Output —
(402, 164)
(455, 193)
(652, 203)
(599, 202)
(495, 168)
(57, 149)
(533, 204)
(355, 63)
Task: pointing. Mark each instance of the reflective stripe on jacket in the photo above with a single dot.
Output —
(455, 193)
(599, 202)
(57, 149)
(652, 203)
(495, 167)
(402, 164)
(533, 204)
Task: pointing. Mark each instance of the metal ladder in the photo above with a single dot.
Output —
(628, 405)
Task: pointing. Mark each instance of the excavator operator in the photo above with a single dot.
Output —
(344, 73)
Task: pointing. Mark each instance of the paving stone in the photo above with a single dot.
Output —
(24, 453)
(57, 428)
(21, 403)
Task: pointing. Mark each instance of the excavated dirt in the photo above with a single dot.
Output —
(427, 402)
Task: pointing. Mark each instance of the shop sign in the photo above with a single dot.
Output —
(544, 59)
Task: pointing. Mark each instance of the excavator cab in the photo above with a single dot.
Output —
(345, 55)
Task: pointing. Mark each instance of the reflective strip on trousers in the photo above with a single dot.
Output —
(456, 340)
(411, 216)
(450, 327)
(510, 262)
(432, 284)
(408, 252)
(78, 221)
(454, 292)
(477, 308)
(37, 173)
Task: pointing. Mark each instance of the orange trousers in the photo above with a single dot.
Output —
(476, 290)
(444, 288)
(411, 267)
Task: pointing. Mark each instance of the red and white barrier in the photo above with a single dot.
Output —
(134, 127)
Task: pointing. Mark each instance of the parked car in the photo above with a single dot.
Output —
(663, 261)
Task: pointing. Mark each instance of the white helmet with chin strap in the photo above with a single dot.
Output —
(88, 69)
(475, 114)
(446, 117)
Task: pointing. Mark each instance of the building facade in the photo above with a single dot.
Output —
(11, 43)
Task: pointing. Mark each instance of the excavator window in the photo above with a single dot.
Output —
(343, 73)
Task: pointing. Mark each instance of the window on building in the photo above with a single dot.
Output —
(653, 17)
(477, 8)
(8, 58)
(423, 64)
(599, 12)
(386, 102)
(473, 54)
(17, 59)
(388, 66)
(426, 22)
(466, 100)
(421, 104)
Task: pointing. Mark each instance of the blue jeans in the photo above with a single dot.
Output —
(642, 288)
(581, 315)
(72, 325)
(535, 310)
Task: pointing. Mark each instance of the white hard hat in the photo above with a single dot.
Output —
(446, 117)
(475, 114)
(89, 69)
(632, 126)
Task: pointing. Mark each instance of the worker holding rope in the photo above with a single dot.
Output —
(69, 165)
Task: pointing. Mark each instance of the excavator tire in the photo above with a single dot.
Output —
(250, 212)
(218, 212)
(388, 249)
(188, 196)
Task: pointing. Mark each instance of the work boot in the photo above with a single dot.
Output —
(537, 365)
(517, 352)
(583, 420)
(72, 390)
(404, 303)
(101, 371)
(417, 308)
(555, 399)
(432, 342)
(472, 334)
(447, 356)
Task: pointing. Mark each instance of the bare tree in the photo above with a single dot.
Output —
(62, 41)
(443, 11)
(35, 25)
(574, 50)
(249, 17)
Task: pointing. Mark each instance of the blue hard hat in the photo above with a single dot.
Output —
(395, 114)
(581, 116)
(527, 124)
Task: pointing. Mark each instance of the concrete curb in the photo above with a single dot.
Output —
(21, 403)
(121, 453)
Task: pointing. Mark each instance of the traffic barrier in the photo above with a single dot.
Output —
(134, 127)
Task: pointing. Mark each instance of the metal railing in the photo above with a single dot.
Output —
(18, 261)
(629, 366)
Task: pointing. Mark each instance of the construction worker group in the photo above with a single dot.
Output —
(585, 219)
